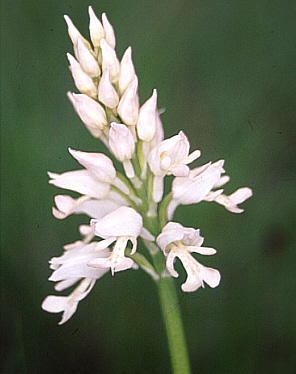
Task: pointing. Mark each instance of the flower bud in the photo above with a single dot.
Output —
(96, 29)
(127, 70)
(121, 141)
(128, 107)
(107, 94)
(146, 125)
(110, 60)
(75, 34)
(87, 61)
(109, 32)
(90, 112)
(83, 82)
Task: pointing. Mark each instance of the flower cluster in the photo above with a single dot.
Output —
(126, 205)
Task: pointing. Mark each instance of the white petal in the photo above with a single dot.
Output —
(80, 181)
(170, 264)
(171, 232)
(193, 189)
(239, 196)
(124, 221)
(98, 164)
(73, 264)
(54, 304)
(64, 284)
(222, 181)
(212, 195)
(66, 205)
(201, 250)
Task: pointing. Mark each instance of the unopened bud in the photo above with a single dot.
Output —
(121, 141)
(110, 60)
(83, 82)
(128, 107)
(122, 144)
(90, 112)
(75, 34)
(107, 94)
(146, 125)
(127, 70)
(87, 61)
(109, 32)
(96, 29)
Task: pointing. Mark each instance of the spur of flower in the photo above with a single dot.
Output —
(131, 223)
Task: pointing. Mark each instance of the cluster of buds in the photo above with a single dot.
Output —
(126, 205)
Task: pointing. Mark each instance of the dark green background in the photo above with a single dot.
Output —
(225, 72)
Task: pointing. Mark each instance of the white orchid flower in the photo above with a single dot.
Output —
(120, 226)
(178, 241)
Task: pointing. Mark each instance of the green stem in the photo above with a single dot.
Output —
(174, 326)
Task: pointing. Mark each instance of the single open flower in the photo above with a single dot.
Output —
(121, 226)
(69, 269)
(178, 241)
(170, 156)
(196, 186)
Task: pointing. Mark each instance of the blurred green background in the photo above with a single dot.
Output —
(225, 72)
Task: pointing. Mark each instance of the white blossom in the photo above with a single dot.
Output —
(196, 186)
(120, 226)
(69, 269)
(170, 156)
(177, 241)
(68, 304)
